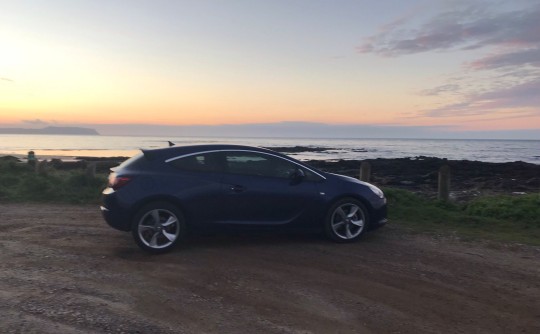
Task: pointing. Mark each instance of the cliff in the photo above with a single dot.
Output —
(51, 130)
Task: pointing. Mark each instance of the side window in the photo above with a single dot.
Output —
(209, 162)
(248, 163)
(310, 176)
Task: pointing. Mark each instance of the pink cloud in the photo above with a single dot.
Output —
(469, 28)
(518, 58)
(520, 100)
(510, 83)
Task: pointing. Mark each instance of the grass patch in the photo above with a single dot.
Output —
(501, 218)
(19, 183)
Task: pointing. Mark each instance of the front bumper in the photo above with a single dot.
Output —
(378, 224)
(378, 217)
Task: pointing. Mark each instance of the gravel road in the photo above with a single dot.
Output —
(63, 270)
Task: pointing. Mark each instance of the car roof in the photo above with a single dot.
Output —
(174, 151)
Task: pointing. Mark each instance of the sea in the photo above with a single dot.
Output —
(70, 146)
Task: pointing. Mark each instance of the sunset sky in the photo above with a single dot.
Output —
(454, 65)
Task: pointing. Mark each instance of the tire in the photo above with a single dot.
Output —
(158, 227)
(346, 220)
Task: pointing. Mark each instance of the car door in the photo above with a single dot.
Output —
(260, 189)
(198, 185)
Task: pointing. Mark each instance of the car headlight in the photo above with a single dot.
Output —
(376, 190)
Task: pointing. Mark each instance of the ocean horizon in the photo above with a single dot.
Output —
(487, 150)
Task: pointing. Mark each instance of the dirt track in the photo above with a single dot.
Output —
(64, 271)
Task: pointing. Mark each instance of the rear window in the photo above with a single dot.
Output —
(133, 161)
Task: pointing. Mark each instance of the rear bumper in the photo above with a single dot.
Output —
(114, 214)
(114, 220)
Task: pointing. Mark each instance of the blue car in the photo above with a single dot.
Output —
(160, 194)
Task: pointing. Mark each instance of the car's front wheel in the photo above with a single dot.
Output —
(157, 227)
(346, 220)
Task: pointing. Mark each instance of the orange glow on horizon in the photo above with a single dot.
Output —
(210, 114)
(78, 63)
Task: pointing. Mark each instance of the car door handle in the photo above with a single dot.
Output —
(237, 188)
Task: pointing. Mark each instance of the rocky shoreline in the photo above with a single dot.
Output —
(468, 178)
(418, 174)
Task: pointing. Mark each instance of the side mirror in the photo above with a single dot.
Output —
(297, 176)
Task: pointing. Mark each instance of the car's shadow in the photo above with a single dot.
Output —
(248, 239)
(237, 240)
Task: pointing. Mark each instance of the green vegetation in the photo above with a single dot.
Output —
(501, 218)
(19, 183)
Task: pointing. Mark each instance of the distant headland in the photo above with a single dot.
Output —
(51, 130)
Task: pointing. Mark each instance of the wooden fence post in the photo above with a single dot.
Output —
(444, 183)
(365, 171)
(41, 167)
(91, 170)
(32, 158)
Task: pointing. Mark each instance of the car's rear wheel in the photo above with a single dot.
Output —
(157, 227)
(346, 220)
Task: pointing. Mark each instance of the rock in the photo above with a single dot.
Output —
(419, 174)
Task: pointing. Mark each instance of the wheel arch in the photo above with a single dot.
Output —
(159, 198)
(357, 197)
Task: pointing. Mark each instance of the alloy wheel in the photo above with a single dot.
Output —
(347, 221)
(158, 228)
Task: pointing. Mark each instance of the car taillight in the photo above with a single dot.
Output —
(117, 182)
